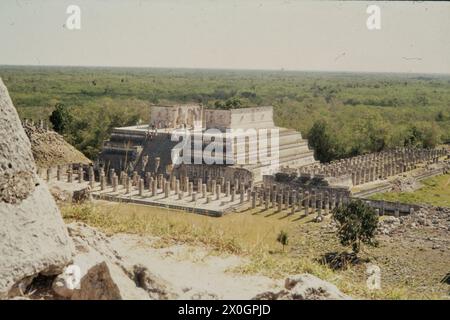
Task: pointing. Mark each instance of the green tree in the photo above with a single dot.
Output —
(283, 238)
(357, 223)
(61, 118)
(320, 139)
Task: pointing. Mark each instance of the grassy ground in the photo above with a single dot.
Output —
(435, 191)
(407, 272)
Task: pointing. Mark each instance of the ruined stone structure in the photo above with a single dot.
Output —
(137, 165)
(148, 149)
(371, 167)
(371, 171)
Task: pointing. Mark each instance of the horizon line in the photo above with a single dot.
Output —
(224, 69)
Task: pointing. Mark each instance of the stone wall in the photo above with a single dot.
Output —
(178, 116)
(244, 118)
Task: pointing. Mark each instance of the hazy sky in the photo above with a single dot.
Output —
(243, 34)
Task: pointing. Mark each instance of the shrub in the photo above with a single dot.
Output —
(283, 238)
(357, 224)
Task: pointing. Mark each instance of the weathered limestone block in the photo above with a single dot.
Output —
(33, 237)
(308, 287)
(105, 281)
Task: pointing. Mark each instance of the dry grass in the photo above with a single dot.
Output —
(251, 234)
(237, 233)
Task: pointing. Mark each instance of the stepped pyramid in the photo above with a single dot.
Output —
(243, 133)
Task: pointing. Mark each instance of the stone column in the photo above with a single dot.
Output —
(186, 184)
(194, 196)
(141, 187)
(274, 198)
(307, 203)
(58, 173)
(204, 190)
(177, 186)
(148, 177)
(227, 188)
(319, 205)
(286, 201)
(180, 195)
(69, 175)
(91, 179)
(111, 175)
(267, 200)
(150, 184)
(155, 187)
(233, 194)
(102, 183)
(135, 178)
(172, 182)
(300, 201)
(160, 181)
(218, 191)
(127, 185)
(294, 202)
(166, 189)
(115, 183)
(241, 184)
(280, 201)
(253, 199)
(190, 188)
(80, 175)
(213, 187)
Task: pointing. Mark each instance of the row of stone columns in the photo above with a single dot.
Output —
(370, 167)
(297, 200)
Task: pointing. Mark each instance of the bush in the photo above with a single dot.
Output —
(283, 238)
(60, 118)
(357, 224)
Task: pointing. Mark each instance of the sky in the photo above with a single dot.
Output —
(229, 34)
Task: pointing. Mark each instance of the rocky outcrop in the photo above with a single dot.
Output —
(157, 288)
(106, 281)
(66, 192)
(33, 237)
(101, 274)
(50, 149)
(429, 217)
(304, 287)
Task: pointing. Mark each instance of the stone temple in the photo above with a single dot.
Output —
(243, 133)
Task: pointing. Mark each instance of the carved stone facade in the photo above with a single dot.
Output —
(179, 116)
